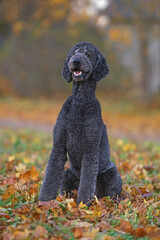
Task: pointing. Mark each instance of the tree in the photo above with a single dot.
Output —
(144, 15)
(41, 33)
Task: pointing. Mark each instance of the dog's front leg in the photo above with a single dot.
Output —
(89, 172)
(53, 176)
(55, 166)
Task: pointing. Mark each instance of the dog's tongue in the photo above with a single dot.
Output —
(77, 72)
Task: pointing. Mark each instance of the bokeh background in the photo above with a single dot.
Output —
(35, 37)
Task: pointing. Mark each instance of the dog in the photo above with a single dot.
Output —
(80, 135)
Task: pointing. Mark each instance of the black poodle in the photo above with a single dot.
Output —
(81, 135)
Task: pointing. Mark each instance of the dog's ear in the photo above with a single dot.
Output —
(66, 73)
(101, 68)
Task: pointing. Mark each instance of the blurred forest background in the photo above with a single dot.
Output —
(35, 37)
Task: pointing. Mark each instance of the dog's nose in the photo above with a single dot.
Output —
(76, 61)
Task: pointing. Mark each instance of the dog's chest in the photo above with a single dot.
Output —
(78, 118)
(76, 122)
(78, 113)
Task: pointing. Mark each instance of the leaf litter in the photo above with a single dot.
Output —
(133, 215)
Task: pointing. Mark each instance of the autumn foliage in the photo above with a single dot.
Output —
(134, 215)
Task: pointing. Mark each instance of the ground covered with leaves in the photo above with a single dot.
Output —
(134, 215)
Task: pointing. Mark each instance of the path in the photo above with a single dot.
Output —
(17, 124)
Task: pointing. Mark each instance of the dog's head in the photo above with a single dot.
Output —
(83, 61)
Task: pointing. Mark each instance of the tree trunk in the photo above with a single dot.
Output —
(145, 64)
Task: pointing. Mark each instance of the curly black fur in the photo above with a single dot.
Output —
(80, 132)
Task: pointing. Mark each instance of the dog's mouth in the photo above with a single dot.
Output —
(78, 75)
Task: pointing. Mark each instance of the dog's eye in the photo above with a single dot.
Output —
(87, 55)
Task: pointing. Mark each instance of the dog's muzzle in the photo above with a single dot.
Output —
(80, 67)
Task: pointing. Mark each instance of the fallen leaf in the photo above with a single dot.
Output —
(24, 209)
(9, 192)
(78, 233)
(8, 236)
(11, 158)
(4, 215)
(91, 233)
(129, 147)
(34, 174)
(21, 168)
(20, 235)
(82, 224)
(82, 206)
(140, 232)
(125, 226)
(39, 232)
(10, 181)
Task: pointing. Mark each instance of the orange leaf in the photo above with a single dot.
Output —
(40, 231)
(109, 238)
(24, 210)
(4, 215)
(140, 232)
(125, 166)
(25, 177)
(9, 192)
(32, 190)
(34, 174)
(78, 233)
(126, 227)
(31, 174)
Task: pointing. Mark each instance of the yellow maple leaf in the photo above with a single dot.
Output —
(21, 168)
(120, 142)
(11, 158)
(129, 147)
(26, 160)
(82, 205)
